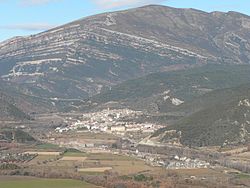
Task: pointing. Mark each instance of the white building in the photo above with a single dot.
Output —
(118, 129)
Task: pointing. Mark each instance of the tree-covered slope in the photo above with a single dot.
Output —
(172, 91)
(225, 119)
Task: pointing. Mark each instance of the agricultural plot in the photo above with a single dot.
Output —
(69, 158)
(198, 172)
(75, 154)
(26, 182)
(41, 158)
(108, 156)
(97, 169)
(127, 166)
(87, 163)
(124, 165)
(48, 146)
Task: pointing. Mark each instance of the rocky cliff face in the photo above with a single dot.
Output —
(81, 58)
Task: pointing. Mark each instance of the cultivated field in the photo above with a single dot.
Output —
(98, 169)
(124, 165)
(127, 166)
(41, 158)
(205, 172)
(68, 158)
(91, 162)
(27, 182)
(75, 154)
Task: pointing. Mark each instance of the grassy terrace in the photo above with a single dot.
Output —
(47, 146)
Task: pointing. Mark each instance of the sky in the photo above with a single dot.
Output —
(25, 17)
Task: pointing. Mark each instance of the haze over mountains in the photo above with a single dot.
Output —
(154, 58)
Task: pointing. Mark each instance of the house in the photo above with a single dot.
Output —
(89, 145)
(118, 129)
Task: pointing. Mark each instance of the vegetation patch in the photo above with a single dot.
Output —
(18, 136)
(8, 166)
(74, 154)
(50, 153)
(243, 176)
(47, 146)
(43, 183)
(142, 177)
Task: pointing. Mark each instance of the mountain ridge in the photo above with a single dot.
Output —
(184, 85)
(79, 59)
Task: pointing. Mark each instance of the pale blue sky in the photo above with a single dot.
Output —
(24, 17)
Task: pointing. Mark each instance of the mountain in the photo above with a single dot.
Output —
(204, 106)
(182, 91)
(8, 109)
(82, 58)
(12, 93)
(31, 104)
(225, 120)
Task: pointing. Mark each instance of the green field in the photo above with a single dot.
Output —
(243, 176)
(75, 154)
(47, 146)
(42, 183)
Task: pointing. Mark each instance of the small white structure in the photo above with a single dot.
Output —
(118, 129)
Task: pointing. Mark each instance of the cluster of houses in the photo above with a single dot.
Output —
(186, 163)
(110, 121)
(173, 162)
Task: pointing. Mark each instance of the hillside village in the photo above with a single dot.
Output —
(115, 122)
(110, 121)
